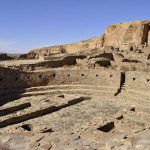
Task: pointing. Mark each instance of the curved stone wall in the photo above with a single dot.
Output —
(15, 78)
(11, 79)
(137, 81)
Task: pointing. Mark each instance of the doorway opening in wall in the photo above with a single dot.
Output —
(1, 79)
(122, 79)
(131, 48)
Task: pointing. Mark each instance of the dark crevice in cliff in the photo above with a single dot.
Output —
(145, 34)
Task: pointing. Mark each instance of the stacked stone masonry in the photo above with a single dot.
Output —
(16, 79)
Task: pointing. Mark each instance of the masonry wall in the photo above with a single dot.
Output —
(137, 81)
(15, 79)
(89, 77)
(106, 79)
(11, 78)
(67, 60)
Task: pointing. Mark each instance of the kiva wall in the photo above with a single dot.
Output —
(89, 77)
(11, 79)
(137, 80)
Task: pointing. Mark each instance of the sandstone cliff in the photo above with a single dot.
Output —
(83, 46)
(128, 35)
(125, 36)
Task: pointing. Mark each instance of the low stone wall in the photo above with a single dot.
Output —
(65, 61)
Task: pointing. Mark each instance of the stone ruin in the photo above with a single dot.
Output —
(90, 95)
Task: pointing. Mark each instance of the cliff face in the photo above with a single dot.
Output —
(125, 36)
(87, 45)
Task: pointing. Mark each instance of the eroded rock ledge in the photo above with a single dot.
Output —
(124, 36)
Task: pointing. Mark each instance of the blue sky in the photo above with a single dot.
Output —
(29, 24)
